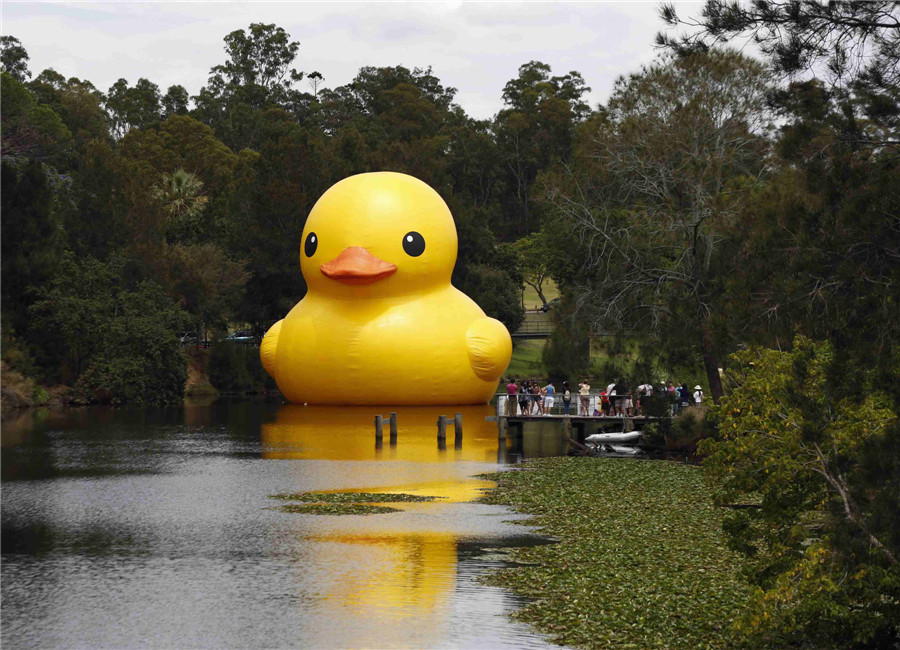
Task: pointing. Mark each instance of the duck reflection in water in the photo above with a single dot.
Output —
(398, 565)
(348, 433)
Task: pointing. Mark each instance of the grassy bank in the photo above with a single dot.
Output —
(641, 560)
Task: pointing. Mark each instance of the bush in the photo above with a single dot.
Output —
(140, 359)
(236, 367)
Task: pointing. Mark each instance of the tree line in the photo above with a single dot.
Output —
(202, 200)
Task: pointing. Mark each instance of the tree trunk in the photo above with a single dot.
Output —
(711, 364)
(537, 288)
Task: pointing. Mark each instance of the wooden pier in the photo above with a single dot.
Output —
(572, 427)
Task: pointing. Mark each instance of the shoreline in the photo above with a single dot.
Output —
(640, 559)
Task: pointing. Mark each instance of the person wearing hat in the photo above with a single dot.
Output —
(698, 395)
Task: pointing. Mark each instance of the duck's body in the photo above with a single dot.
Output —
(380, 325)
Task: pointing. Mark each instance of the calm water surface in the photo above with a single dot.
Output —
(153, 528)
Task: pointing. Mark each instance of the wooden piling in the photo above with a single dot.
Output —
(442, 427)
(457, 431)
(393, 424)
(379, 430)
(501, 428)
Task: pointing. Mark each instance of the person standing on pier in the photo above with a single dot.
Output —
(524, 400)
(567, 399)
(549, 395)
(584, 397)
(645, 390)
(537, 398)
(511, 392)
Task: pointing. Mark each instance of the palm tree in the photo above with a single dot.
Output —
(183, 202)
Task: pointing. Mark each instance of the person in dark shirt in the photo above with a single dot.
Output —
(511, 391)
(524, 398)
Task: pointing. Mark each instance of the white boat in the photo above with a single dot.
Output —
(622, 449)
(607, 438)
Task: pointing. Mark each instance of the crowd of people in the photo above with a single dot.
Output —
(617, 399)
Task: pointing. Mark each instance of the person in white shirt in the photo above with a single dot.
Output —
(644, 391)
(698, 395)
(610, 395)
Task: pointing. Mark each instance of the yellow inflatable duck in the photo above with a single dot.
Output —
(381, 323)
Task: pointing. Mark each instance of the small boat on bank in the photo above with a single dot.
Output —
(611, 438)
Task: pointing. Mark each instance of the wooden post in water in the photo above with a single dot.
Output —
(501, 427)
(393, 429)
(379, 431)
(442, 432)
(457, 431)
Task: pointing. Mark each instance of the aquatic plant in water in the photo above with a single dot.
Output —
(351, 497)
(641, 559)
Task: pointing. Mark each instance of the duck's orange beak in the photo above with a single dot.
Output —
(356, 265)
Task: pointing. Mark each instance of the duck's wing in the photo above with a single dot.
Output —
(489, 346)
(268, 346)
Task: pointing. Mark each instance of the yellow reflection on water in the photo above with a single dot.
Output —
(348, 433)
(397, 574)
(380, 570)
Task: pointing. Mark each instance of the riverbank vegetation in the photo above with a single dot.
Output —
(640, 559)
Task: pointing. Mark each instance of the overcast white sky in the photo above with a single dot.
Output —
(475, 47)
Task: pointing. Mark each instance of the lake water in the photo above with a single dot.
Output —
(133, 528)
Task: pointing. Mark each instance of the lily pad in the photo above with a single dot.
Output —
(335, 509)
(641, 561)
(351, 497)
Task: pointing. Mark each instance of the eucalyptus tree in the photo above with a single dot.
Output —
(257, 75)
(535, 127)
(14, 58)
(133, 107)
(175, 101)
(652, 196)
(853, 46)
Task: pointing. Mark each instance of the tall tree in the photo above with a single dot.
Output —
(175, 101)
(133, 107)
(536, 127)
(257, 74)
(78, 103)
(29, 128)
(855, 46)
(654, 193)
(32, 236)
(14, 58)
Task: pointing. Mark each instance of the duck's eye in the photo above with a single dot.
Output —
(413, 244)
(312, 242)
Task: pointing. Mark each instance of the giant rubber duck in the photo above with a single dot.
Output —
(381, 323)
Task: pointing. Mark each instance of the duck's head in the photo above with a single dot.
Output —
(378, 235)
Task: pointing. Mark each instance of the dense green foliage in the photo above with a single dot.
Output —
(822, 465)
(206, 197)
(236, 367)
(641, 560)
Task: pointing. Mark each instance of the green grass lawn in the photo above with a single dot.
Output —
(641, 559)
(526, 360)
